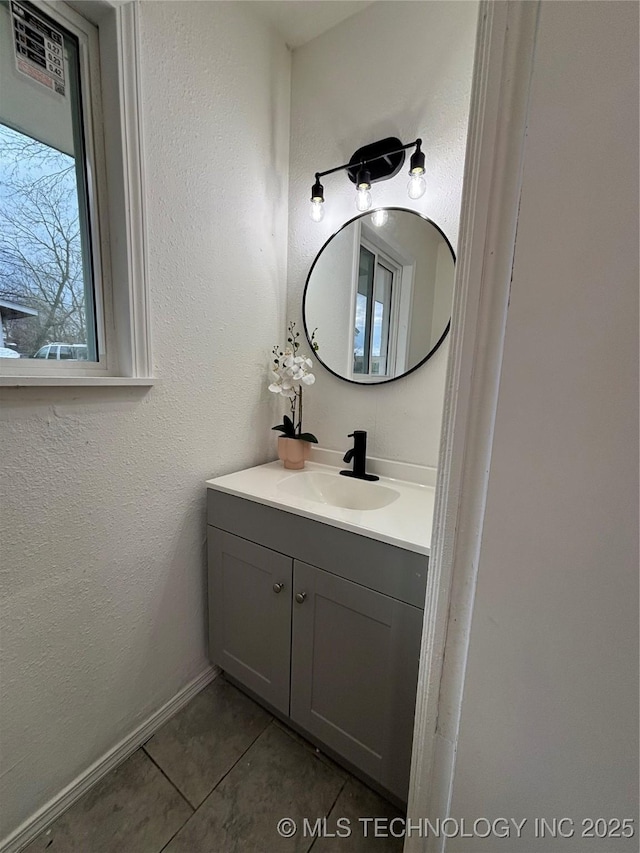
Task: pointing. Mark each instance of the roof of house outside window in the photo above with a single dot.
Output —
(14, 310)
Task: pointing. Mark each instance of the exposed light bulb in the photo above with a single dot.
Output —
(316, 211)
(363, 199)
(379, 217)
(317, 200)
(417, 186)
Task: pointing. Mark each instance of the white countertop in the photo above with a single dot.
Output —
(405, 523)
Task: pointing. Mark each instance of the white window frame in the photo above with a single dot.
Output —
(108, 34)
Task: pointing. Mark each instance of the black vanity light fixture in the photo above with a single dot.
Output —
(376, 162)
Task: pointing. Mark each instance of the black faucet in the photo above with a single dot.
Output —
(359, 455)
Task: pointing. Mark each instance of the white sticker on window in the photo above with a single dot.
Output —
(39, 49)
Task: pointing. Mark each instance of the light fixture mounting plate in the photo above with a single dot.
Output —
(381, 164)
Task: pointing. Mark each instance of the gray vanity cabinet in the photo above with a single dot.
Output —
(250, 615)
(354, 670)
(322, 624)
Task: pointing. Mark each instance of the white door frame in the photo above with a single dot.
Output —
(491, 193)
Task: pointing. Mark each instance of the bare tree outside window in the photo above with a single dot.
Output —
(41, 262)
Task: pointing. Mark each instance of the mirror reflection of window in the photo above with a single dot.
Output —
(374, 308)
(362, 336)
(383, 293)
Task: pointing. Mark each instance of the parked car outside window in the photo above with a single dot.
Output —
(68, 352)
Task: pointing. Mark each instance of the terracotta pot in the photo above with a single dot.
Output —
(293, 452)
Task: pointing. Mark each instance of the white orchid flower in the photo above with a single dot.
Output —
(289, 374)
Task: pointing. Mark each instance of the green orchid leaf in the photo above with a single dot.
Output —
(287, 427)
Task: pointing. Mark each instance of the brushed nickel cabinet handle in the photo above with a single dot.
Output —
(300, 597)
(278, 587)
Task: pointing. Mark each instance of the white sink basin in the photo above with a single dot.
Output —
(338, 491)
(391, 510)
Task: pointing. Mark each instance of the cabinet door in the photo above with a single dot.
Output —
(250, 615)
(354, 672)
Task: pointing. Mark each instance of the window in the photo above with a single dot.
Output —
(46, 256)
(62, 226)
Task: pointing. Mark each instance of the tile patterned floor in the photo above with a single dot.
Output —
(216, 779)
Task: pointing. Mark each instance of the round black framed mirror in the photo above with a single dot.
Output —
(378, 296)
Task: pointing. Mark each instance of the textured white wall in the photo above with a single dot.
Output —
(103, 502)
(395, 69)
(549, 722)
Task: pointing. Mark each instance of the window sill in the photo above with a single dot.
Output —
(74, 381)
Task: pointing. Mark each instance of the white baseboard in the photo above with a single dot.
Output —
(32, 827)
